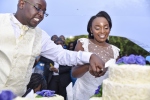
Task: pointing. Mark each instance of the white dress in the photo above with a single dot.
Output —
(86, 85)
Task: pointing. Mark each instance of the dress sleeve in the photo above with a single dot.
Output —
(116, 51)
(85, 43)
(62, 56)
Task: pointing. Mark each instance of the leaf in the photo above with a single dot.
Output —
(38, 96)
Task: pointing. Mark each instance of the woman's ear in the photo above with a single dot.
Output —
(91, 30)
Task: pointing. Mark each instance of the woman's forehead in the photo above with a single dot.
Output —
(100, 20)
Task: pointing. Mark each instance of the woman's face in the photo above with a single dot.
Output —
(100, 29)
(71, 46)
(38, 88)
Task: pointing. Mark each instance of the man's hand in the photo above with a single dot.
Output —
(53, 69)
(96, 66)
(100, 74)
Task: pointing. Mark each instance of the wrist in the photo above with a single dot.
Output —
(91, 56)
(87, 67)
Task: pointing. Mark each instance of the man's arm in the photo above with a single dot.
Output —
(62, 56)
(65, 57)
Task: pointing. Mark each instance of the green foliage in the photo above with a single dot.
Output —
(126, 46)
(75, 38)
(38, 96)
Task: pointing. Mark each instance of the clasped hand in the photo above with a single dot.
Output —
(97, 66)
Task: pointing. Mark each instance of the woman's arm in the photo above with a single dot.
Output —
(78, 71)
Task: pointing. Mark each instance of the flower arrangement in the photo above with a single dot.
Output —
(45, 93)
(132, 59)
(7, 95)
(98, 92)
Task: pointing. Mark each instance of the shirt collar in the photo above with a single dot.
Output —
(14, 19)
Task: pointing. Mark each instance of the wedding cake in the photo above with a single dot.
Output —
(126, 82)
(9, 95)
(56, 97)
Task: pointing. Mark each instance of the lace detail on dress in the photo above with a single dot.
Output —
(116, 51)
(105, 53)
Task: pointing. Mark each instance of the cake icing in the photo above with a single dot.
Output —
(119, 91)
(96, 98)
(127, 82)
(57, 97)
(129, 74)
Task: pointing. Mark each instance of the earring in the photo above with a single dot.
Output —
(91, 34)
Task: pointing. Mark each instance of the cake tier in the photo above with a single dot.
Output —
(117, 91)
(96, 98)
(57, 97)
(133, 74)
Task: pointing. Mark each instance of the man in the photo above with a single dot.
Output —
(63, 38)
(54, 37)
(21, 42)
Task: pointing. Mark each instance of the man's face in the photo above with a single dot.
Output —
(59, 43)
(55, 37)
(62, 37)
(31, 14)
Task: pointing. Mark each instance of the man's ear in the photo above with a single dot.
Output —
(21, 4)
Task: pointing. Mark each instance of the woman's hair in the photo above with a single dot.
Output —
(100, 14)
(35, 80)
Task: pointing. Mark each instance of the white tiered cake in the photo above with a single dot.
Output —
(127, 82)
(57, 97)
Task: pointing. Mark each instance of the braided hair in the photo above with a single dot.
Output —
(36, 80)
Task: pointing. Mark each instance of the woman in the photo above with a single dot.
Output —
(37, 83)
(99, 27)
(70, 46)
